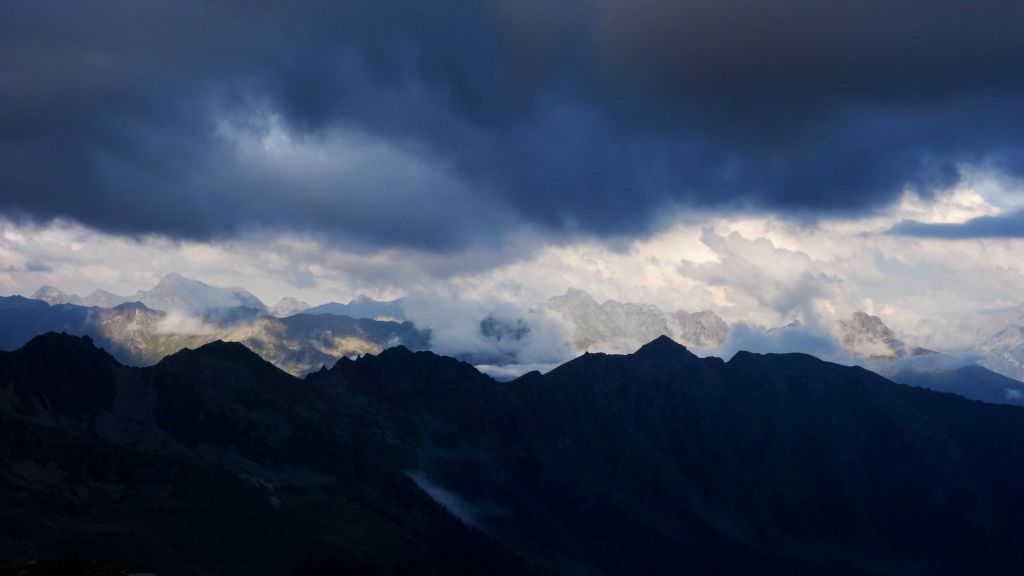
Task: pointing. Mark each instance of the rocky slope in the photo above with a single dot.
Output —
(868, 337)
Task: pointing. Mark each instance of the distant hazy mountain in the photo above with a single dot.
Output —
(54, 295)
(654, 463)
(178, 293)
(703, 329)
(945, 374)
(288, 306)
(173, 292)
(100, 298)
(364, 307)
(999, 348)
(620, 326)
(302, 343)
(869, 337)
(1001, 337)
(140, 336)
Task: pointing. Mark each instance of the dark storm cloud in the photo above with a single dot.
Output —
(1003, 226)
(441, 123)
(30, 266)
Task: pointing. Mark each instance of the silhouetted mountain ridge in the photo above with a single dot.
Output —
(656, 462)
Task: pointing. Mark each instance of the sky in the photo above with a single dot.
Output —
(793, 160)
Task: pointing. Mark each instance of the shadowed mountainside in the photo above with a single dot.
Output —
(970, 381)
(211, 462)
(658, 462)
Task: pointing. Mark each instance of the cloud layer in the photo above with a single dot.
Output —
(1002, 226)
(757, 273)
(444, 125)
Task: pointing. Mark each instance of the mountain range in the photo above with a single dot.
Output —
(180, 312)
(620, 326)
(883, 352)
(213, 461)
(140, 336)
(617, 326)
(173, 292)
(364, 307)
(177, 293)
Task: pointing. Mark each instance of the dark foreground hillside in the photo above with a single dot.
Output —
(215, 462)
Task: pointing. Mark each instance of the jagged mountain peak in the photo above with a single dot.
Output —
(702, 461)
(234, 361)
(235, 352)
(288, 306)
(103, 299)
(139, 335)
(64, 376)
(619, 327)
(870, 320)
(867, 336)
(399, 351)
(62, 343)
(175, 281)
(99, 297)
(177, 292)
(664, 347)
(223, 346)
(400, 373)
(52, 295)
(400, 355)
